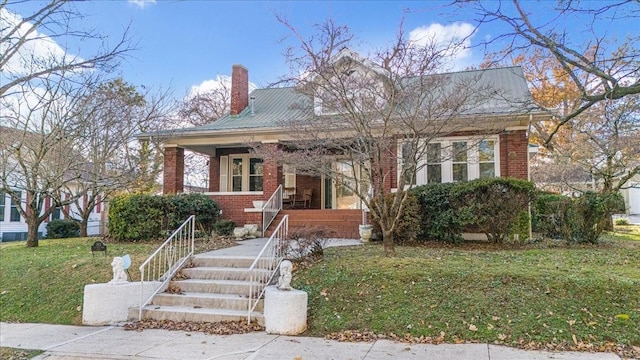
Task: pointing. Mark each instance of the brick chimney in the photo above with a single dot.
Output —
(239, 89)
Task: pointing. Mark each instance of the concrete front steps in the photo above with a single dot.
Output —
(215, 289)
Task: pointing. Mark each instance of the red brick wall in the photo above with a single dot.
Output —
(513, 154)
(239, 89)
(214, 173)
(233, 206)
(173, 175)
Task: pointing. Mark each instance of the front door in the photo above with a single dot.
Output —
(338, 193)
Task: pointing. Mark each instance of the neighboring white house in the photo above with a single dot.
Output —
(631, 195)
(14, 228)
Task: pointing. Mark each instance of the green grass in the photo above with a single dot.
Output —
(479, 293)
(46, 284)
(18, 354)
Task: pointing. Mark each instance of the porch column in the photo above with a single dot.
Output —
(214, 173)
(514, 147)
(271, 173)
(173, 175)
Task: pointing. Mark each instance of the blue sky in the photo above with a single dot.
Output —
(184, 43)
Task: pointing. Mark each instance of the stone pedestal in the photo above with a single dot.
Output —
(285, 312)
(109, 303)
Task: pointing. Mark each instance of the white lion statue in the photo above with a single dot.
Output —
(118, 270)
(284, 281)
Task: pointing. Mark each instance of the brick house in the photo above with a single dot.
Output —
(238, 177)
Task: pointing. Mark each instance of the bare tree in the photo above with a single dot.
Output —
(601, 67)
(38, 45)
(375, 116)
(37, 153)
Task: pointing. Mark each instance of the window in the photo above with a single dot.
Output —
(434, 163)
(56, 214)
(255, 174)
(15, 214)
(236, 174)
(454, 160)
(2, 202)
(487, 158)
(408, 166)
(459, 161)
(240, 173)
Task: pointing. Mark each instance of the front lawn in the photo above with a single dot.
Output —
(582, 297)
(46, 284)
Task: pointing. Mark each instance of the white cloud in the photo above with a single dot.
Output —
(142, 3)
(221, 82)
(38, 51)
(455, 38)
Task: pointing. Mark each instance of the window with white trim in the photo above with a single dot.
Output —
(434, 163)
(241, 173)
(2, 202)
(459, 163)
(456, 159)
(408, 168)
(487, 158)
(14, 213)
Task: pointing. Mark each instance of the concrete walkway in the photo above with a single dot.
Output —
(111, 342)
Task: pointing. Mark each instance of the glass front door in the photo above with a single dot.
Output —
(341, 192)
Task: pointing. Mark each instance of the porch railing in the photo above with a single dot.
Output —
(266, 264)
(163, 264)
(271, 209)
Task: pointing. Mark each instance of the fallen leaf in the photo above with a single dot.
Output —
(473, 327)
(502, 337)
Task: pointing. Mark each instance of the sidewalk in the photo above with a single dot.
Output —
(111, 342)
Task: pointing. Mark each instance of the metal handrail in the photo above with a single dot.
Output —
(271, 209)
(266, 264)
(163, 264)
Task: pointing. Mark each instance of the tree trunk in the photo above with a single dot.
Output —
(387, 243)
(83, 228)
(84, 223)
(32, 233)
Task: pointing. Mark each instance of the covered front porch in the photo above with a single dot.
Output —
(241, 182)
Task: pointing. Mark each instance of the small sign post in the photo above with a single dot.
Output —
(98, 246)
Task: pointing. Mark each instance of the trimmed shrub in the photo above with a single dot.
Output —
(181, 206)
(621, 221)
(136, 217)
(440, 220)
(224, 227)
(499, 207)
(61, 229)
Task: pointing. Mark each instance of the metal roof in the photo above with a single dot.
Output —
(274, 106)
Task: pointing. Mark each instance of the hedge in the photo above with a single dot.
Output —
(138, 217)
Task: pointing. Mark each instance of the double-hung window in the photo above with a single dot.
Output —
(454, 160)
(459, 163)
(434, 163)
(240, 173)
(408, 168)
(2, 202)
(487, 158)
(14, 213)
